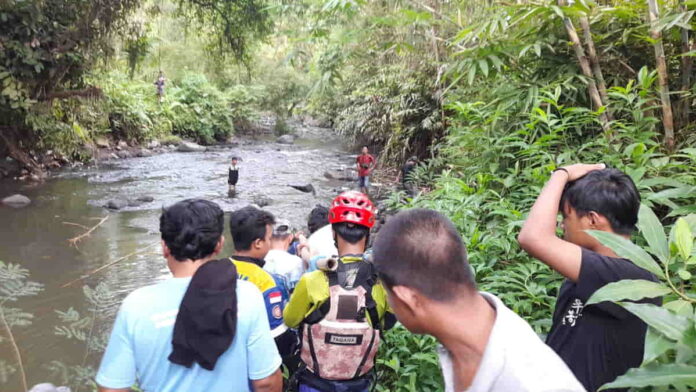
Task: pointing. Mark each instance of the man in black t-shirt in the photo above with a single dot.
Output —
(602, 341)
(405, 175)
(232, 177)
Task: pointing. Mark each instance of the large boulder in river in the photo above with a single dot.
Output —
(308, 188)
(286, 139)
(116, 204)
(185, 146)
(16, 201)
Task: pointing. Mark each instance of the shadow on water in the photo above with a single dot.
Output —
(36, 236)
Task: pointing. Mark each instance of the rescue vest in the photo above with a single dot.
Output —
(338, 343)
(275, 296)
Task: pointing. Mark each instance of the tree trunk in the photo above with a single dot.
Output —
(667, 119)
(586, 70)
(683, 111)
(594, 61)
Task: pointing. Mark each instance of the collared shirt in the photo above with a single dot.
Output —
(515, 359)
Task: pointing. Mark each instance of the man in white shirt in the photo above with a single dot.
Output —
(422, 262)
(279, 261)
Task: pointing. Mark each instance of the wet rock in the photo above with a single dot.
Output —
(116, 204)
(185, 146)
(121, 144)
(123, 154)
(144, 152)
(113, 156)
(329, 175)
(286, 139)
(262, 200)
(48, 387)
(309, 188)
(146, 199)
(153, 144)
(16, 201)
(102, 142)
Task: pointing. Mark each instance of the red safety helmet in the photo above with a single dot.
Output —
(352, 207)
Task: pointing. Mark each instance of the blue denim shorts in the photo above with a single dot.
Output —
(364, 182)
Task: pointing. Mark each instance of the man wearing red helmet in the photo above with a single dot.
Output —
(341, 309)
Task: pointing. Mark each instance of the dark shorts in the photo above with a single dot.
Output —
(364, 182)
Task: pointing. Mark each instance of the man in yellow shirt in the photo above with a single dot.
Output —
(341, 309)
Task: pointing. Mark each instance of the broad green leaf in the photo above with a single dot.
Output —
(683, 238)
(653, 233)
(662, 320)
(483, 65)
(655, 346)
(629, 289)
(680, 307)
(626, 249)
(660, 375)
(684, 274)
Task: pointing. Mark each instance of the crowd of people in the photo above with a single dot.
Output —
(315, 309)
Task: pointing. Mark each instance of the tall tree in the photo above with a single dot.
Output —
(656, 35)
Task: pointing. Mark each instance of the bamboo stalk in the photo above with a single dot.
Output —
(87, 275)
(686, 69)
(586, 70)
(656, 35)
(594, 62)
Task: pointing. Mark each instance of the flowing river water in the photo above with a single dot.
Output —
(36, 237)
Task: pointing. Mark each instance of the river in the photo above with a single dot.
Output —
(36, 237)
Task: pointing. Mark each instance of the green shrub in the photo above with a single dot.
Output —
(408, 363)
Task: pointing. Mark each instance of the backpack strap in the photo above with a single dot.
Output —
(370, 304)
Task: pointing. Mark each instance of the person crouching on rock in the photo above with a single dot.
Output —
(232, 177)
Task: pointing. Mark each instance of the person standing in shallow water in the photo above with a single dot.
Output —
(365, 163)
(159, 84)
(232, 177)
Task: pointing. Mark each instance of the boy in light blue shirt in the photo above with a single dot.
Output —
(141, 340)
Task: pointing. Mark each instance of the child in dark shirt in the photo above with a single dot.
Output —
(232, 177)
(602, 341)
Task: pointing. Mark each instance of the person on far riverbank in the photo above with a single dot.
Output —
(157, 340)
(365, 164)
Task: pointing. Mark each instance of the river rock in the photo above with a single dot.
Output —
(48, 387)
(146, 199)
(122, 144)
(116, 204)
(262, 200)
(16, 201)
(123, 154)
(309, 188)
(286, 139)
(185, 146)
(113, 156)
(154, 144)
(102, 142)
(144, 152)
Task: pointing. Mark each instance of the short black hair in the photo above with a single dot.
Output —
(609, 192)
(351, 232)
(421, 249)
(247, 225)
(318, 218)
(192, 228)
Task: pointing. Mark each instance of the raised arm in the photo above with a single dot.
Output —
(538, 234)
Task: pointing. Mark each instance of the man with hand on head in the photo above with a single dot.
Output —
(602, 341)
(157, 341)
(422, 263)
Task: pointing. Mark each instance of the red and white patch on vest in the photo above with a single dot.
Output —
(275, 297)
